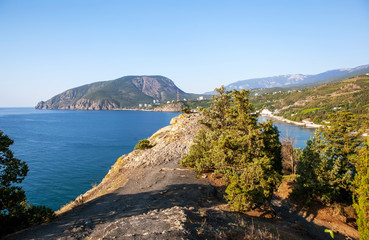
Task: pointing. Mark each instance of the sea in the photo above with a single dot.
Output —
(68, 152)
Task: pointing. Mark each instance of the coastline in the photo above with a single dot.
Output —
(267, 113)
(115, 109)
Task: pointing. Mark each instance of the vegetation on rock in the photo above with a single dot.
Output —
(15, 212)
(143, 144)
(234, 144)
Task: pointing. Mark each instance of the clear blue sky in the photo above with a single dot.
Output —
(48, 46)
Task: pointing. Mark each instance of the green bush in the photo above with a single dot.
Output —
(15, 212)
(143, 144)
(234, 144)
(325, 167)
(361, 191)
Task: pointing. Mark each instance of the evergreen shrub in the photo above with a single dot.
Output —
(143, 144)
(325, 167)
(232, 143)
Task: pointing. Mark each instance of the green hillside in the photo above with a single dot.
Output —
(318, 102)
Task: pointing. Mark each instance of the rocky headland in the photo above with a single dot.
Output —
(123, 93)
(147, 195)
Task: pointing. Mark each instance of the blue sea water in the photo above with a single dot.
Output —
(298, 133)
(69, 151)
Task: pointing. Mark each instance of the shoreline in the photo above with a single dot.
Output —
(114, 109)
(282, 119)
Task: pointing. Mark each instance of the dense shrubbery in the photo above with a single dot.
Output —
(361, 191)
(234, 144)
(15, 212)
(143, 144)
(325, 167)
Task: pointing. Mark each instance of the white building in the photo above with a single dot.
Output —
(266, 112)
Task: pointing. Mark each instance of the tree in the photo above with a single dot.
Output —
(325, 169)
(15, 212)
(361, 191)
(234, 144)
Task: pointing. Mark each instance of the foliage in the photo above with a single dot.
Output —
(186, 110)
(361, 191)
(234, 144)
(15, 212)
(309, 110)
(143, 144)
(325, 168)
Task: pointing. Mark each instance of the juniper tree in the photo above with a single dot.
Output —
(245, 152)
(325, 169)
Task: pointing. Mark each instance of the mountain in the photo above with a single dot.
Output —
(299, 79)
(125, 92)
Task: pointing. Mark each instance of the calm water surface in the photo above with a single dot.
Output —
(69, 151)
(300, 134)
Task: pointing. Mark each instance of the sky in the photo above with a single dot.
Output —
(49, 46)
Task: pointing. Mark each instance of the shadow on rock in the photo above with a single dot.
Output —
(97, 216)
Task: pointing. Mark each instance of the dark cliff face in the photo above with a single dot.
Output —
(125, 92)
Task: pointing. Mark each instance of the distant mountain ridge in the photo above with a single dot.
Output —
(124, 92)
(290, 80)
